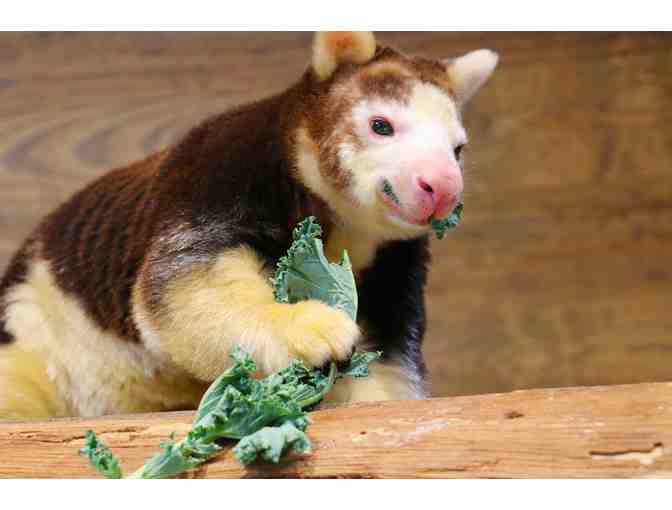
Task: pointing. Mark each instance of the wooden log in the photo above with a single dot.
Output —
(604, 431)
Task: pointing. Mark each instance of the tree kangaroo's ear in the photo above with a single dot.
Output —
(469, 72)
(333, 48)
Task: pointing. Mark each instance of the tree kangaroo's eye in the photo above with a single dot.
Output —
(458, 151)
(381, 126)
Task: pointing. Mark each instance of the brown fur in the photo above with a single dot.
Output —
(97, 240)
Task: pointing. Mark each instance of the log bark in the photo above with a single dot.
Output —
(605, 431)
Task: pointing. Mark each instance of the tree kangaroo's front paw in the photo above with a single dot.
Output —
(318, 333)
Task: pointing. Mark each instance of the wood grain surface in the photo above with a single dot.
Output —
(600, 432)
(560, 273)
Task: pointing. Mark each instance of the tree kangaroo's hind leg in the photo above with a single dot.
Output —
(27, 392)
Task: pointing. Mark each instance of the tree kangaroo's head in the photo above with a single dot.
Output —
(380, 135)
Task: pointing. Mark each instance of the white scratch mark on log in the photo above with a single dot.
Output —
(645, 458)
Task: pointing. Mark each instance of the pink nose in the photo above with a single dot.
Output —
(439, 193)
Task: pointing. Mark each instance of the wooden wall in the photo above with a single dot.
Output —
(561, 273)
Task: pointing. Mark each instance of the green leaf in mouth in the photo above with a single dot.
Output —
(441, 226)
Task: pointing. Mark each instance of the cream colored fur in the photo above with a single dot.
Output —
(230, 302)
(62, 363)
(333, 48)
(361, 249)
(469, 72)
(26, 391)
(390, 380)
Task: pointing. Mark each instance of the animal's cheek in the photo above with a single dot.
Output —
(364, 182)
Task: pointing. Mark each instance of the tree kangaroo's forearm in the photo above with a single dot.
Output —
(204, 311)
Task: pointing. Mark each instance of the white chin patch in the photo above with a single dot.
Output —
(411, 228)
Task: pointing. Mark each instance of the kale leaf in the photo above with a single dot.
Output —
(358, 366)
(305, 273)
(270, 443)
(441, 226)
(100, 456)
(236, 406)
